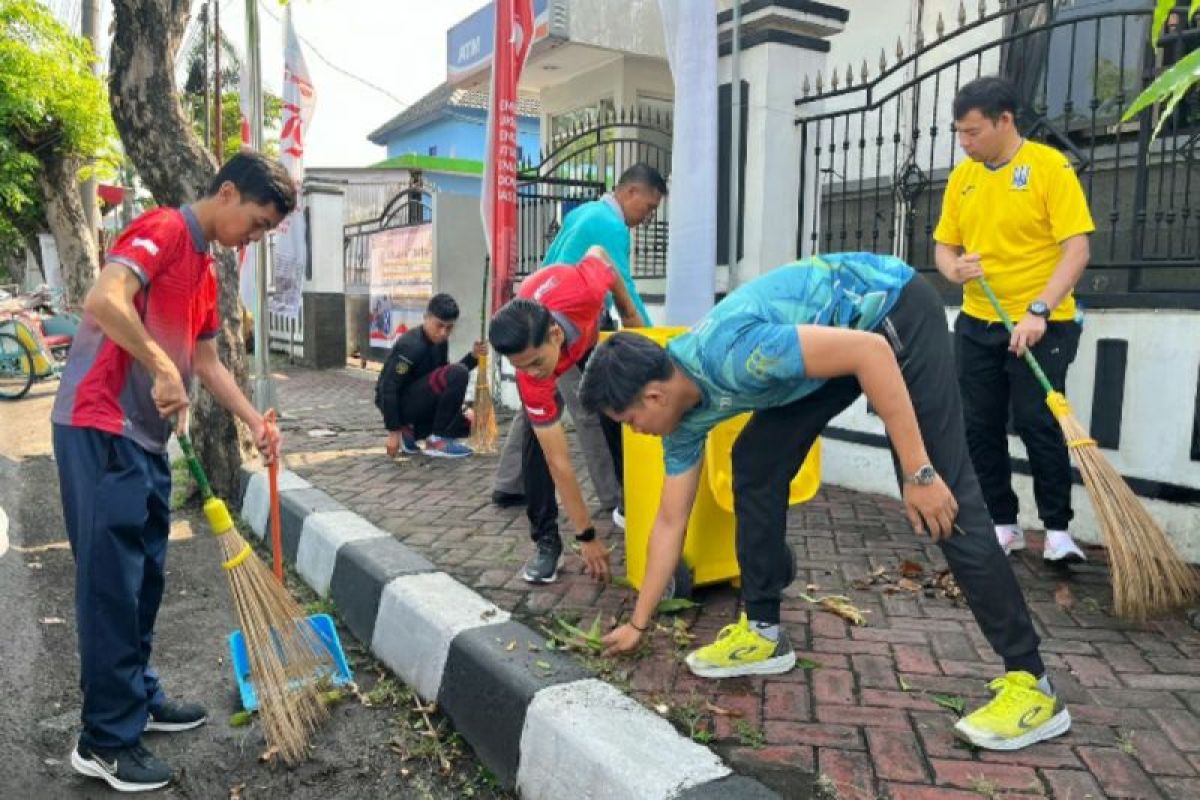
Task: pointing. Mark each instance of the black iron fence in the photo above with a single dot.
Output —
(580, 164)
(412, 205)
(877, 151)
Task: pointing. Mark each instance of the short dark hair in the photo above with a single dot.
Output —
(443, 307)
(619, 369)
(991, 96)
(259, 179)
(519, 325)
(642, 174)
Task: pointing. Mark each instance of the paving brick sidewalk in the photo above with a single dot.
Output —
(869, 716)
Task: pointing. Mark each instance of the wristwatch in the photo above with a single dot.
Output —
(588, 535)
(924, 476)
(1039, 309)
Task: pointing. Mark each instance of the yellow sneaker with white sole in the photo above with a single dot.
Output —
(1019, 715)
(740, 650)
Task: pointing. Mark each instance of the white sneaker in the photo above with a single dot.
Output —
(1011, 538)
(618, 519)
(1061, 549)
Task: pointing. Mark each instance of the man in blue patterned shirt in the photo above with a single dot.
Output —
(796, 347)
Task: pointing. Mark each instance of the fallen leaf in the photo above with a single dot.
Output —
(489, 613)
(911, 569)
(240, 719)
(675, 605)
(544, 664)
(1063, 597)
(269, 754)
(663, 709)
(511, 646)
(807, 663)
(52, 620)
(862, 584)
(533, 648)
(621, 580)
(950, 701)
(723, 712)
(908, 585)
(904, 687)
(812, 587)
(235, 792)
(879, 572)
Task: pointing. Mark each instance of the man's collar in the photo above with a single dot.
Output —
(199, 243)
(609, 199)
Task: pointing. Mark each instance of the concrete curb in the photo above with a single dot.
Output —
(536, 719)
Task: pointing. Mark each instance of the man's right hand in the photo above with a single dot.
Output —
(393, 444)
(966, 267)
(169, 394)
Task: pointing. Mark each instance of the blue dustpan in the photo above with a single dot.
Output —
(322, 625)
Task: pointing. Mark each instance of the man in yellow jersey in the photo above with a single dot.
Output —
(1015, 213)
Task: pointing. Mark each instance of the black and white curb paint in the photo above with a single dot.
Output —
(536, 719)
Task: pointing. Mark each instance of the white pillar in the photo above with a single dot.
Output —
(779, 47)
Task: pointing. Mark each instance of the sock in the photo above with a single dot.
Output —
(767, 630)
(1045, 687)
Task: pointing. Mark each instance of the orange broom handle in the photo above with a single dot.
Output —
(276, 524)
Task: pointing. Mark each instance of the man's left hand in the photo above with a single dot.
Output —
(931, 509)
(266, 439)
(595, 559)
(1026, 333)
(480, 349)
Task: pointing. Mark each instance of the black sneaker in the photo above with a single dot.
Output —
(507, 499)
(128, 769)
(543, 567)
(171, 717)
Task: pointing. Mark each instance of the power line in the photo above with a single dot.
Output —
(335, 67)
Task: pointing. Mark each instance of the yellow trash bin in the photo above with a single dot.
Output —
(710, 550)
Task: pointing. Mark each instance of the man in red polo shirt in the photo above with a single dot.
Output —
(550, 327)
(149, 324)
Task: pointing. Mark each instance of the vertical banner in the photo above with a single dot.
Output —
(291, 238)
(401, 262)
(247, 257)
(514, 34)
(690, 29)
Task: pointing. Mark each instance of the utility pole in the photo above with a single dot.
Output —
(263, 389)
(204, 61)
(219, 138)
(88, 22)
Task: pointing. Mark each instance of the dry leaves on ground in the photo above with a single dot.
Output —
(912, 578)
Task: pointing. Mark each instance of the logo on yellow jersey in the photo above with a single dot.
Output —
(1020, 178)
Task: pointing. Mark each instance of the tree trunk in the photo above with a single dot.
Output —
(59, 181)
(176, 169)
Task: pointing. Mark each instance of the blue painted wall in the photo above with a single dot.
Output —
(459, 133)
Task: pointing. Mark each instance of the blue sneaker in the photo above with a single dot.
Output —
(439, 447)
(408, 442)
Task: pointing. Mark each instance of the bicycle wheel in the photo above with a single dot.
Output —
(16, 367)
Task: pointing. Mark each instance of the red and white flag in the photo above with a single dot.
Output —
(299, 101)
(514, 34)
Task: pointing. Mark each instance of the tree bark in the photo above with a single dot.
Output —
(177, 169)
(58, 180)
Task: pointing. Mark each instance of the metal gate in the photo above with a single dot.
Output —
(876, 152)
(580, 164)
(412, 205)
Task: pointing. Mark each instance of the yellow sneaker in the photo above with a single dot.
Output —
(739, 650)
(1018, 715)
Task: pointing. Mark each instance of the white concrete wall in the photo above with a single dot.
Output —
(1158, 412)
(630, 26)
(325, 213)
(458, 258)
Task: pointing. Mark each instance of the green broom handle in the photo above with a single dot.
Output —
(1008, 323)
(189, 453)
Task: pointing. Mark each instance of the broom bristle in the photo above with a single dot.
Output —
(286, 656)
(1148, 576)
(483, 428)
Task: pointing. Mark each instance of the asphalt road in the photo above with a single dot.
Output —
(362, 752)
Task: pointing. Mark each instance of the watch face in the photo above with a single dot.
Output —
(925, 475)
(1039, 308)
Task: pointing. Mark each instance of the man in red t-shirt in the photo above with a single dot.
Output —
(149, 324)
(550, 327)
